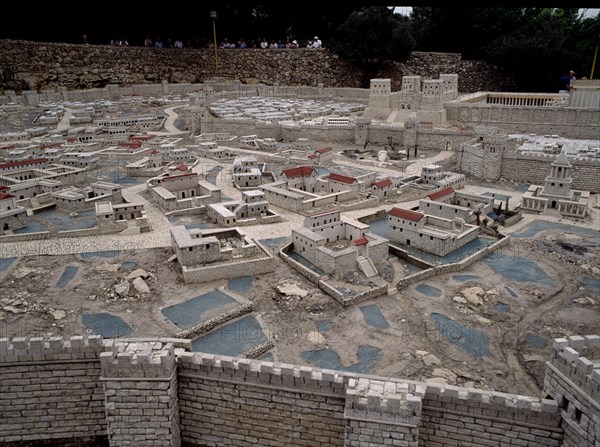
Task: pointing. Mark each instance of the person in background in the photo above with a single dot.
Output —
(566, 82)
(316, 43)
(148, 42)
(241, 43)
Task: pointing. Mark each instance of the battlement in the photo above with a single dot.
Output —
(387, 401)
(28, 349)
(265, 373)
(578, 358)
(133, 359)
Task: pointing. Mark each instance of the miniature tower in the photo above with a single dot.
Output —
(559, 182)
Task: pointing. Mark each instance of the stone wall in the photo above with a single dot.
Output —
(38, 66)
(50, 389)
(153, 392)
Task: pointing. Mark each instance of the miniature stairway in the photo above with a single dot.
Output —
(367, 267)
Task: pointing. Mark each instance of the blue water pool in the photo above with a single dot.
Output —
(128, 265)
(373, 316)
(464, 278)
(368, 358)
(5, 263)
(305, 262)
(241, 284)
(232, 339)
(101, 254)
(537, 341)
(511, 292)
(472, 340)
(324, 325)
(273, 243)
(516, 268)
(502, 307)
(67, 275)
(200, 308)
(541, 225)
(106, 325)
(428, 290)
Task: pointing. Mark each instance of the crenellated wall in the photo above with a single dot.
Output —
(87, 391)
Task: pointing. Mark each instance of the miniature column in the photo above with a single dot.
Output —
(382, 413)
(140, 385)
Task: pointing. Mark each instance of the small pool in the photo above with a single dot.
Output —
(232, 339)
(200, 308)
(273, 243)
(502, 307)
(517, 269)
(324, 325)
(428, 290)
(5, 263)
(67, 275)
(465, 278)
(101, 254)
(305, 262)
(241, 284)
(541, 225)
(128, 265)
(511, 292)
(59, 220)
(106, 325)
(368, 358)
(537, 341)
(472, 340)
(373, 316)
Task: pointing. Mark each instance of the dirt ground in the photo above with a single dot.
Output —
(519, 336)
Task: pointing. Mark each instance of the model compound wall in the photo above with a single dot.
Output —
(89, 391)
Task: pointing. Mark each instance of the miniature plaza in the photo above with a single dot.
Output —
(388, 233)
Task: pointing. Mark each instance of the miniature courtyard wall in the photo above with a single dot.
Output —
(154, 392)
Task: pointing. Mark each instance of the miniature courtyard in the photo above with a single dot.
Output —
(300, 251)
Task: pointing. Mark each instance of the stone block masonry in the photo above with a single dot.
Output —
(573, 380)
(50, 389)
(154, 392)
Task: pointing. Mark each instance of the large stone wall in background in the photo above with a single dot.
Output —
(36, 66)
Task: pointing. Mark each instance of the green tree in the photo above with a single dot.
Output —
(373, 34)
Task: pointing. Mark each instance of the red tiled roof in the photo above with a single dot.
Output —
(12, 146)
(5, 196)
(324, 149)
(131, 144)
(155, 152)
(406, 214)
(341, 178)
(3, 188)
(383, 183)
(361, 241)
(72, 139)
(182, 167)
(441, 193)
(24, 163)
(313, 156)
(300, 171)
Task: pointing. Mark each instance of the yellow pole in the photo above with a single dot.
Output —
(595, 56)
(215, 38)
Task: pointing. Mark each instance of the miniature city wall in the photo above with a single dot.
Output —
(155, 392)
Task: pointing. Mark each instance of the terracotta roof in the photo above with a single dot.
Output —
(131, 144)
(142, 137)
(12, 146)
(3, 188)
(383, 183)
(324, 149)
(300, 171)
(441, 193)
(341, 178)
(155, 152)
(49, 146)
(181, 167)
(313, 156)
(24, 163)
(406, 214)
(361, 241)
(5, 196)
(71, 140)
